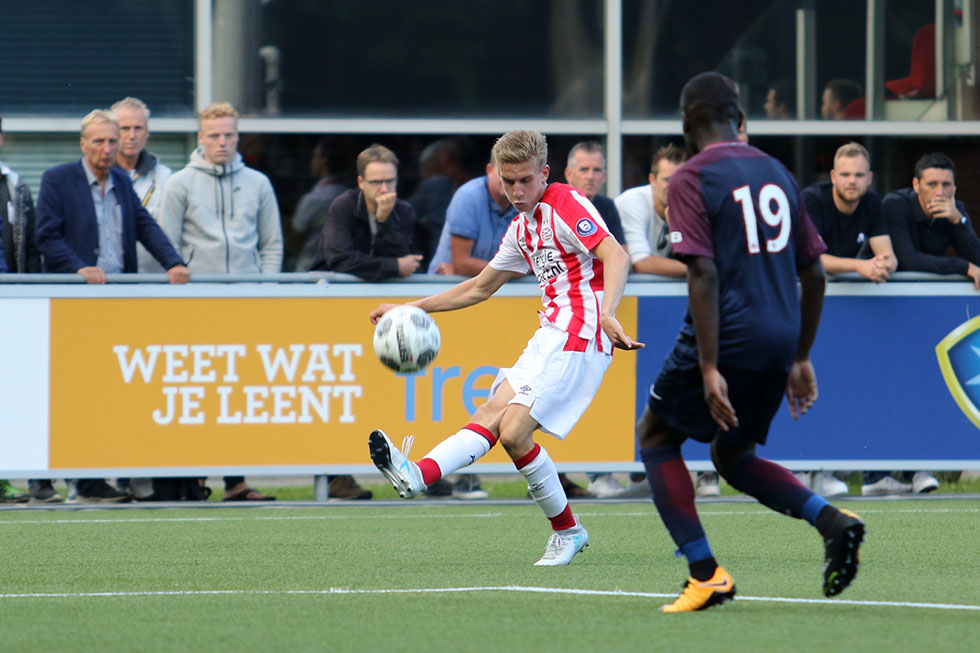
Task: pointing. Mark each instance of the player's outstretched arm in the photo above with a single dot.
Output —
(616, 268)
(702, 289)
(466, 293)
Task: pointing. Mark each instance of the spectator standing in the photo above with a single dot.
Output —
(19, 254)
(925, 222)
(89, 220)
(647, 233)
(17, 223)
(224, 218)
(369, 231)
(311, 212)
(144, 168)
(221, 214)
(848, 215)
(476, 221)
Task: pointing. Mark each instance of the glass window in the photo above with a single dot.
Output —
(667, 43)
(68, 58)
(431, 58)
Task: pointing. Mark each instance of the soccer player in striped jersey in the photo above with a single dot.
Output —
(560, 237)
(737, 220)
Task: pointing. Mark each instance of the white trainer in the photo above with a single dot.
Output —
(828, 485)
(885, 485)
(707, 485)
(637, 490)
(923, 482)
(604, 486)
(405, 476)
(563, 545)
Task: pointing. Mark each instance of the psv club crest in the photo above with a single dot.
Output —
(959, 360)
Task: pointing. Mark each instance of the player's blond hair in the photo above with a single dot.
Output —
(99, 115)
(851, 149)
(217, 110)
(519, 146)
(131, 103)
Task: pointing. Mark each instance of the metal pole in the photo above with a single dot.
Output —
(614, 97)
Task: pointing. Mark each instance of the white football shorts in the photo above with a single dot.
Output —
(557, 385)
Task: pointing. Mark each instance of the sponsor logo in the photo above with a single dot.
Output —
(959, 360)
(585, 227)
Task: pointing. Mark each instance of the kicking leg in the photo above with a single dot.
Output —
(673, 494)
(458, 450)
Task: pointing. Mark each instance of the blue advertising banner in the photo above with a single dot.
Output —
(880, 362)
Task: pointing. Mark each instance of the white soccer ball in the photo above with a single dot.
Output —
(406, 339)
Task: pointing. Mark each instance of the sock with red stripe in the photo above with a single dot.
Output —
(673, 494)
(545, 487)
(463, 448)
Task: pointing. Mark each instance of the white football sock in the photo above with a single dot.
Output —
(463, 448)
(544, 485)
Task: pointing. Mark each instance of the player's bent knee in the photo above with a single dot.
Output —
(516, 442)
(652, 432)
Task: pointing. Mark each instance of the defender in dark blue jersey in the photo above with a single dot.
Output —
(737, 220)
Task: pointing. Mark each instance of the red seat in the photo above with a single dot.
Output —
(921, 81)
(855, 109)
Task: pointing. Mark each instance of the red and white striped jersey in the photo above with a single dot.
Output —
(555, 240)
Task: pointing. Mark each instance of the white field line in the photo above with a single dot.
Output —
(649, 513)
(335, 591)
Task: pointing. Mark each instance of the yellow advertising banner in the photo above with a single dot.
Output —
(203, 382)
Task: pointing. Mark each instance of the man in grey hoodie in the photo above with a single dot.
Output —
(221, 215)
(223, 218)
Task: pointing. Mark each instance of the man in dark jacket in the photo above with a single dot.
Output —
(17, 242)
(369, 231)
(89, 217)
(926, 220)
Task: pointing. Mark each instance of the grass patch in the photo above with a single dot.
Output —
(347, 577)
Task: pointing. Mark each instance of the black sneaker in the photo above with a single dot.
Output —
(440, 489)
(102, 492)
(841, 552)
(46, 494)
(468, 488)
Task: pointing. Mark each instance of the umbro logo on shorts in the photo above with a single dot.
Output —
(524, 389)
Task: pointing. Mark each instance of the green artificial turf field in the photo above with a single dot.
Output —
(427, 576)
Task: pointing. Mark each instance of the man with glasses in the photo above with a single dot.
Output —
(369, 231)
